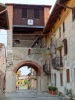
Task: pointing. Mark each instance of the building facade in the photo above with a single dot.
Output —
(22, 80)
(60, 40)
(26, 42)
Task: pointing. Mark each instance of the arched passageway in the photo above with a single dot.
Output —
(33, 83)
(31, 64)
(11, 74)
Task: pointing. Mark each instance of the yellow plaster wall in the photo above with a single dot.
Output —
(63, 16)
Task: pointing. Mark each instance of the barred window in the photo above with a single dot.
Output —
(36, 13)
(24, 13)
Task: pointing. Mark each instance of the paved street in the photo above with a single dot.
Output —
(29, 95)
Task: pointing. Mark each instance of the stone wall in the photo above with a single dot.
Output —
(2, 85)
(37, 55)
(2, 58)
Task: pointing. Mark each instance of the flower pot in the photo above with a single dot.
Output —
(54, 92)
(50, 92)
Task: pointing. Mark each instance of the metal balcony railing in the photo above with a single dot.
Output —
(47, 68)
(57, 63)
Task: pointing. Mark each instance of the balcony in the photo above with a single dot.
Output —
(46, 68)
(57, 64)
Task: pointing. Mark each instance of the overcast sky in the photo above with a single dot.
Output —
(46, 2)
(3, 34)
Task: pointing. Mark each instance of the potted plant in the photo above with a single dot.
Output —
(50, 89)
(54, 90)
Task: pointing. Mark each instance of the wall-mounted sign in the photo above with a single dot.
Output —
(30, 22)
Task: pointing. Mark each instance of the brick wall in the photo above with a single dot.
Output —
(18, 20)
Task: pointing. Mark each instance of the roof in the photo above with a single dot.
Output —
(3, 17)
(15, 4)
(54, 15)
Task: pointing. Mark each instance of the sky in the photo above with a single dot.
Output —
(24, 70)
(45, 2)
(3, 34)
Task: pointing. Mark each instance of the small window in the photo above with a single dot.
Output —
(61, 79)
(36, 13)
(29, 51)
(65, 46)
(73, 14)
(17, 41)
(59, 31)
(68, 75)
(63, 26)
(24, 13)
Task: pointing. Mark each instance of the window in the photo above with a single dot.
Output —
(29, 51)
(65, 46)
(60, 52)
(55, 79)
(61, 79)
(17, 41)
(59, 31)
(68, 75)
(36, 13)
(73, 14)
(24, 13)
(63, 27)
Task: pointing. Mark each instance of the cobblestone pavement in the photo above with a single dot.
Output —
(30, 95)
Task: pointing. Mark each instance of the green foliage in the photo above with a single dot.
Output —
(49, 88)
(25, 81)
(29, 86)
(52, 88)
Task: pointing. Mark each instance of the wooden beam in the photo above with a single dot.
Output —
(28, 34)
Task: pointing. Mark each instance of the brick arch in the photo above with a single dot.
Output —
(31, 64)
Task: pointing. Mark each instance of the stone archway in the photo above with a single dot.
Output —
(31, 64)
(35, 66)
